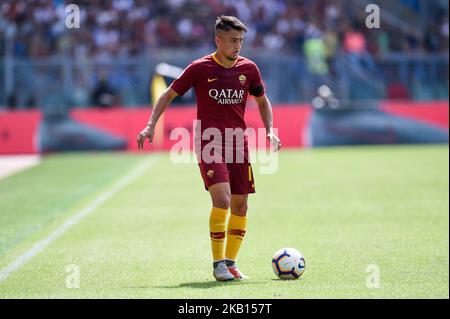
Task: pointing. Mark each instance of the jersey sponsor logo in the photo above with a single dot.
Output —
(212, 80)
(227, 96)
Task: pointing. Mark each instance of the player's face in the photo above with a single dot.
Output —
(230, 43)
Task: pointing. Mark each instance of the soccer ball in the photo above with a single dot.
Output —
(288, 263)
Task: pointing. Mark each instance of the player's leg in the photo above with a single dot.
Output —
(238, 204)
(221, 198)
(241, 184)
(216, 179)
(236, 231)
(220, 195)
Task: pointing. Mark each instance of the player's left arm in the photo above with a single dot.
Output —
(265, 111)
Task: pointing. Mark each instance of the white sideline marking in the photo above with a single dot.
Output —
(11, 164)
(102, 198)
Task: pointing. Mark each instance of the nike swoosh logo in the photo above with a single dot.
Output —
(217, 235)
(211, 80)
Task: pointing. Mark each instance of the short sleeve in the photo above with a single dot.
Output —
(256, 86)
(186, 80)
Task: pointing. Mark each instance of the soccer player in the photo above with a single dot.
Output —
(222, 81)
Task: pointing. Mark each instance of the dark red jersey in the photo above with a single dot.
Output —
(221, 92)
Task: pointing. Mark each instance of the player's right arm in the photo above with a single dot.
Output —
(161, 105)
(178, 87)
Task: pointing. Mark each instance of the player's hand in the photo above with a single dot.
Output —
(275, 141)
(147, 132)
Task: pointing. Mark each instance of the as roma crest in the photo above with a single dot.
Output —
(242, 79)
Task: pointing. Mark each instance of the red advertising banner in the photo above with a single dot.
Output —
(18, 129)
(18, 132)
(127, 123)
(429, 112)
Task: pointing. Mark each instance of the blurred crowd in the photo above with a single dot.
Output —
(131, 27)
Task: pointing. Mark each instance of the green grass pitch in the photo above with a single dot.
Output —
(343, 208)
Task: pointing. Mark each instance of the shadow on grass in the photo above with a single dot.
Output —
(211, 284)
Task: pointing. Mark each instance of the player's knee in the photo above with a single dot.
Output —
(240, 209)
(222, 200)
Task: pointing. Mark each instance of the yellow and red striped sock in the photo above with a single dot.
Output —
(236, 232)
(217, 228)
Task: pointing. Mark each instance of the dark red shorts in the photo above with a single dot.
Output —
(238, 174)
